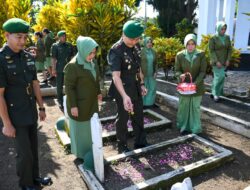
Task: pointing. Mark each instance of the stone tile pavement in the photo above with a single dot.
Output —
(235, 80)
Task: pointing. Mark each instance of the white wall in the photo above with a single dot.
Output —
(228, 14)
(242, 27)
(207, 18)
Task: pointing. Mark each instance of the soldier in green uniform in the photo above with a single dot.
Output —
(62, 52)
(40, 55)
(127, 85)
(48, 41)
(220, 49)
(19, 93)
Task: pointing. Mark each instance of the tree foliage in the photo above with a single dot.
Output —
(13, 8)
(49, 17)
(152, 29)
(100, 19)
(19, 9)
(166, 50)
(183, 28)
(172, 12)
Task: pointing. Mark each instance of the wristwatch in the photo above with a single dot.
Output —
(41, 109)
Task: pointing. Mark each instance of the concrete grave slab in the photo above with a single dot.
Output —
(62, 126)
(221, 155)
(160, 121)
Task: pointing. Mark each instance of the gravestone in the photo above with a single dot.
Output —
(97, 146)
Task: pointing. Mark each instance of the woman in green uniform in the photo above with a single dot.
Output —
(83, 91)
(148, 65)
(220, 54)
(193, 61)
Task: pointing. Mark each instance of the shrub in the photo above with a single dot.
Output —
(166, 50)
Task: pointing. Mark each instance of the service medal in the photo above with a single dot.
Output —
(129, 67)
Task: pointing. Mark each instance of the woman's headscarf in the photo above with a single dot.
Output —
(85, 46)
(146, 40)
(219, 26)
(190, 37)
(190, 56)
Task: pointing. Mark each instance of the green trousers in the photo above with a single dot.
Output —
(218, 81)
(59, 87)
(81, 142)
(39, 66)
(26, 143)
(150, 84)
(188, 116)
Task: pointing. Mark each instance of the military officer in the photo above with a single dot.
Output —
(62, 52)
(19, 93)
(127, 85)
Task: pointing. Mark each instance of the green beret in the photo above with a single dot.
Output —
(133, 29)
(16, 25)
(61, 33)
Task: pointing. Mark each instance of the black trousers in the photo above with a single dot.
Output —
(27, 165)
(137, 123)
(59, 87)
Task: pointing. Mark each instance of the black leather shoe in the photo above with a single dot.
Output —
(51, 78)
(123, 149)
(136, 146)
(185, 133)
(45, 81)
(28, 188)
(43, 181)
(155, 106)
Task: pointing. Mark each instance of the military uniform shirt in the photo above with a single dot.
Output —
(127, 61)
(48, 41)
(62, 52)
(17, 72)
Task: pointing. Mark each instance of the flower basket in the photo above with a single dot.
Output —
(186, 88)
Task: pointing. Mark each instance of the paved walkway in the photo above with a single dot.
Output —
(234, 80)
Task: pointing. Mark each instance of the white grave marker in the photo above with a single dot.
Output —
(96, 132)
